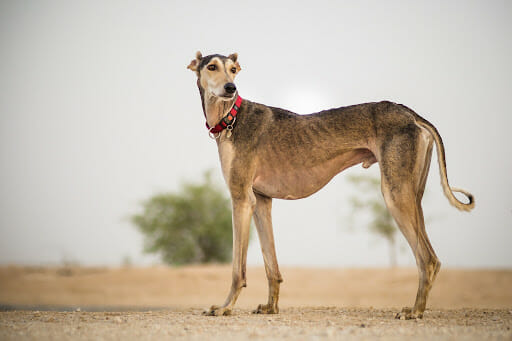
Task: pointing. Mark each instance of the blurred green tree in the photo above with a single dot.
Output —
(192, 225)
(381, 223)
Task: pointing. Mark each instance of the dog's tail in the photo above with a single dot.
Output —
(448, 191)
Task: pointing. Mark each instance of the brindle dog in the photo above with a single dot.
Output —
(274, 153)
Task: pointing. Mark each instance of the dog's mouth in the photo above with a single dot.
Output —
(224, 95)
(227, 96)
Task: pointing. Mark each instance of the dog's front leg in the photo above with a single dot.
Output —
(263, 220)
(242, 214)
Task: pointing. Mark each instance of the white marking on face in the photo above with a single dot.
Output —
(214, 80)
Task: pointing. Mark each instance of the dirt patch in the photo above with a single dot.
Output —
(162, 302)
(291, 323)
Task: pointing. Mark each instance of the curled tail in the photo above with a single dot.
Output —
(448, 191)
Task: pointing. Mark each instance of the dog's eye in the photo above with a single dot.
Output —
(233, 69)
(212, 67)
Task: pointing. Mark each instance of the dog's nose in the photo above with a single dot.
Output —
(230, 88)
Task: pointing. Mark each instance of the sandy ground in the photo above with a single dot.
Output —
(161, 302)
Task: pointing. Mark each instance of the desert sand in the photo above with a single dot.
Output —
(38, 303)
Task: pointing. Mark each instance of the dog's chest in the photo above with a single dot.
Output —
(226, 155)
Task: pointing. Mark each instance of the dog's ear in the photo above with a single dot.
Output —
(234, 58)
(194, 64)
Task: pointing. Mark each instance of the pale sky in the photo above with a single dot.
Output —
(98, 112)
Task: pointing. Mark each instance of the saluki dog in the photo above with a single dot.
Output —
(268, 152)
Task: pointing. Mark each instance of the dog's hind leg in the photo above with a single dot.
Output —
(263, 221)
(403, 194)
(243, 207)
(419, 196)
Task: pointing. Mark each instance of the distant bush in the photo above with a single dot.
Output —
(382, 222)
(192, 225)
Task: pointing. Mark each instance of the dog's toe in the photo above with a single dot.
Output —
(217, 311)
(266, 309)
(408, 314)
(258, 310)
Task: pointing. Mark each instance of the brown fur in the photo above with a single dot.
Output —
(274, 153)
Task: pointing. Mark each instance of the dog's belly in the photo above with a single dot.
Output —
(279, 179)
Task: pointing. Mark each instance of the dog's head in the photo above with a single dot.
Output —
(216, 74)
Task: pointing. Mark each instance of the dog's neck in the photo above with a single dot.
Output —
(214, 108)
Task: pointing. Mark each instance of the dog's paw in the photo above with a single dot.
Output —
(408, 314)
(217, 311)
(266, 309)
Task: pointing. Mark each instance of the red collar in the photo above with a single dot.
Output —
(227, 121)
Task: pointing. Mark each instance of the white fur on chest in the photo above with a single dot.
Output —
(226, 155)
